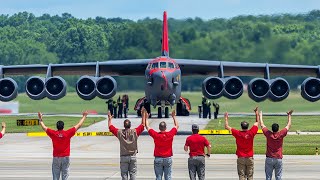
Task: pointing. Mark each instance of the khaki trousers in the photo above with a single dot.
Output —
(245, 168)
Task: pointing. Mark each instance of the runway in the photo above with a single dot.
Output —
(96, 158)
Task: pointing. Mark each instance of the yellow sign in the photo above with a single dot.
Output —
(27, 122)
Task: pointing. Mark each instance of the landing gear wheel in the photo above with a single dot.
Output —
(159, 112)
(166, 112)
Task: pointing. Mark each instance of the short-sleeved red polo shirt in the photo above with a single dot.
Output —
(61, 141)
(274, 142)
(196, 144)
(244, 141)
(163, 142)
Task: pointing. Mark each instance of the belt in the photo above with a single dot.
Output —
(198, 156)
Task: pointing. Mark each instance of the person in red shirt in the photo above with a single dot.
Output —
(3, 131)
(163, 147)
(274, 147)
(244, 141)
(61, 146)
(128, 144)
(196, 162)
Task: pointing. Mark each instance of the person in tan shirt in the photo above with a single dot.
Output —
(128, 145)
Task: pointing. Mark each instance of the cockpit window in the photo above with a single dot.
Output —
(155, 65)
(171, 65)
(163, 64)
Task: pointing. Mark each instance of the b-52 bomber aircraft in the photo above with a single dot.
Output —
(162, 78)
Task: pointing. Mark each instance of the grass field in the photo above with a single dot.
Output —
(293, 144)
(49, 122)
(73, 104)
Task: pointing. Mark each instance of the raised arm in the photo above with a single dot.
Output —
(3, 131)
(146, 115)
(261, 120)
(226, 118)
(289, 119)
(173, 114)
(44, 127)
(109, 119)
(143, 116)
(84, 116)
(256, 112)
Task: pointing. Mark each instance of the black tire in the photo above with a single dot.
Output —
(166, 112)
(159, 112)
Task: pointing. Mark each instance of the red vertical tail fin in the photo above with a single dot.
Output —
(165, 37)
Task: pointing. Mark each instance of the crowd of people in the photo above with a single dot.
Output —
(120, 107)
(195, 145)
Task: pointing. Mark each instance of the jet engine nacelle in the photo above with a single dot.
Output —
(106, 87)
(215, 87)
(56, 87)
(35, 87)
(233, 87)
(310, 89)
(260, 89)
(86, 87)
(212, 87)
(279, 89)
(8, 89)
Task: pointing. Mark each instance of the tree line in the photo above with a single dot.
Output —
(281, 38)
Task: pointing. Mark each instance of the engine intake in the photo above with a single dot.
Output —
(56, 87)
(86, 87)
(8, 89)
(106, 87)
(233, 87)
(212, 87)
(310, 89)
(279, 89)
(35, 88)
(258, 89)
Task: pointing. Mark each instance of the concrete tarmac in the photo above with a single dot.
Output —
(93, 158)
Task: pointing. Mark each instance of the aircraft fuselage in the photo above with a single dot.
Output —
(163, 81)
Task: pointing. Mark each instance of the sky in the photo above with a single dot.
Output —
(139, 9)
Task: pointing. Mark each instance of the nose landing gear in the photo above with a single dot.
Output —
(166, 112)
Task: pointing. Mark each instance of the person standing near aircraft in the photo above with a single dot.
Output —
(204, 107)
(3, 131)
(274, 147)
(163, 147)
(216, 112)
(128, 144)
(110, 105)
(120, 104)
(115, 109)
(125, 102)
(196, 162)
(244, 141)
(61, 146)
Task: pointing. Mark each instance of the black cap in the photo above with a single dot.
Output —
(195, 126)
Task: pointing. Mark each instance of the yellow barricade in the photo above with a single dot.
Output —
(218, 132)
(35, 134)
(203, 132)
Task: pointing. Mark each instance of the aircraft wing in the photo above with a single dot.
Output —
(207, 67)
(135, 67)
